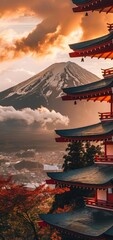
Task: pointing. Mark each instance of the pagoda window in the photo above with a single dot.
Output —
(109, 150)
(101, 194)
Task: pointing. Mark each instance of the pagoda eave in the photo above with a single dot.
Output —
(99, 9)
(92, 177)
(96, 91)
(102, 95)
(71, 233)
(68, 232)
(93, 53)
(93, 5)
(82, 185)
(83, 139)
(76, 223)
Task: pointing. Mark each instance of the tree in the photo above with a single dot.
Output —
(74, 157)
(90, 152)
(80, 155)
(19, 209)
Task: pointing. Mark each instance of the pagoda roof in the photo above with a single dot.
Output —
(81, 2)
(85, 221)
(97, 176)
(92, 5)
(96, 91)
(110, 232)
(101, 47)
(99, 131)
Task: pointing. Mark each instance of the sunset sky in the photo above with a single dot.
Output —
(35, 34)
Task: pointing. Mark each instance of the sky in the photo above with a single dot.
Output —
(35, 34)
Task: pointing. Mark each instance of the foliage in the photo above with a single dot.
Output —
(19, 209)
(80, 155)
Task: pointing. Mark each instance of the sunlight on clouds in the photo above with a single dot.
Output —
(10, 35)
(74, 36)
(60, 44)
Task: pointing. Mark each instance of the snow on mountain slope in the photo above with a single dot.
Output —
(46, 86)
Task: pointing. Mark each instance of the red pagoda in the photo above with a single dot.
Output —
(95, 220)
(92, 5)
(100, 47)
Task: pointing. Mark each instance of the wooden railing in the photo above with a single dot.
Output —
(90, 201)
(98, 203)
(105, 116)
(107, 72)
(108, 159)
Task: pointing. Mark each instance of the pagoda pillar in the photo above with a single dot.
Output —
(112, 103)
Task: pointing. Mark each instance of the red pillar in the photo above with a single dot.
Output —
(112, 104)
(105, 148)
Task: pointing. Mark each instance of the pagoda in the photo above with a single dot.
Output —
(95, 220)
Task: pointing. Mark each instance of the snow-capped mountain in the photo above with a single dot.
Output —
(45, 88)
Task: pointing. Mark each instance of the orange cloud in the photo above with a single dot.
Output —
(57, 20)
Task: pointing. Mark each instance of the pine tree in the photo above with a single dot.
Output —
(80, 155)
(75, 156)
(90, 152)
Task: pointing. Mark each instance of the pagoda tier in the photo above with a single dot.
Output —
(101, 47)
(96, 91)
(97, 132)
(96, 176)
(86, 223)
(92, 5)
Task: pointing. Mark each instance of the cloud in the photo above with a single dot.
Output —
(41, 115)
(57, 22)
(25, 71)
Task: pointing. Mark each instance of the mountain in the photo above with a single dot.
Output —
(45, 88)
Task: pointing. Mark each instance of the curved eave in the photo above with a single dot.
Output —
(90, 8)
(108, 53)
(95, 176)
(97, 42)
(96, 132)
(105, 96)
(85, 222)
(97, 91)
(100, 47)
(103, 5)
(81, 2)
(83, 139)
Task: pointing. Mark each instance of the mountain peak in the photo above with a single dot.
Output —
(47, 85)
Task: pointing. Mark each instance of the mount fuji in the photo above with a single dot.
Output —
(45, 88)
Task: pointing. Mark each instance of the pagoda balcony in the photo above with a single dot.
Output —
(104, 159)
(105, 116)
(109, 71)
(92, 202)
